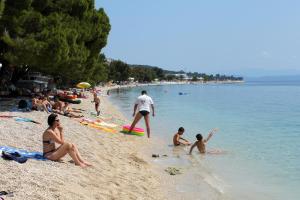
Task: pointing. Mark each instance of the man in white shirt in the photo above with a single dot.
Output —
(143, 104)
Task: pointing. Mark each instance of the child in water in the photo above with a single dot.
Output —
(97, 103)
(178, 139)
(200, 143)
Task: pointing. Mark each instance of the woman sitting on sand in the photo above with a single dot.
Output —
(54, 134)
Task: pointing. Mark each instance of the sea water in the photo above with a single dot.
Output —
(259, 133)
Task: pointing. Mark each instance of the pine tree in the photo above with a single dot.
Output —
(61, 38)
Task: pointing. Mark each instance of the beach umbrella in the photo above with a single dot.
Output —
(83, 85)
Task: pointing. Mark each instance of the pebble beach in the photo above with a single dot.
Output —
(119, 170)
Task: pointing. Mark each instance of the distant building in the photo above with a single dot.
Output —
(181, 76)
(131, 79)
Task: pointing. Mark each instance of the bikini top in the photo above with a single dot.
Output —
(48, 142)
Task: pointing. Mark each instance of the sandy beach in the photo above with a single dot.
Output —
(119, 170)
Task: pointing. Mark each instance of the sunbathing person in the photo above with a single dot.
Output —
(54, 134)
(76, 110)
(38, 104)
(34, 103)
(46, 104)
(67, 111)
(57, 104)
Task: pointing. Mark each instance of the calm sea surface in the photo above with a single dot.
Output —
(259, 126)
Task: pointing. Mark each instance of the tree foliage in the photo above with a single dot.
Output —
(1, 7)
(118, 71)
(142, 74)
(62, 38)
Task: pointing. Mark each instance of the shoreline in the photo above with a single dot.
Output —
(149, 147)
(130, 85)
(123, 165)
(119, 168)
(178, 187)
(105, 88)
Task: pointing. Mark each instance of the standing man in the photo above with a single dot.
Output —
(143, 104)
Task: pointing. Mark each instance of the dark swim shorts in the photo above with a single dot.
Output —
(144, 112)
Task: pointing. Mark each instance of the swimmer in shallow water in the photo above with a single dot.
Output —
(201, 143)
(178, 139)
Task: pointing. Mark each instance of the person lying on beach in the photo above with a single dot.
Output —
(77, 110)
(34, 103)
(54, 134)
(40, 104)
(46, 104)
(66, 110)
(57, 104)
(178, 140)
(201, 143)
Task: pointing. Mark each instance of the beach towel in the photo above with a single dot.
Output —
(106, 116)
(24, 153)
(99, 122)
(7, 116)
(21, 119)
(106, 129)
(110, 125)
(20, 110)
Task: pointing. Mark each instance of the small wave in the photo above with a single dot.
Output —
(215, 182)
(202, 169)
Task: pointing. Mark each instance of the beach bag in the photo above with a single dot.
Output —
(14, 156)
(22, 104)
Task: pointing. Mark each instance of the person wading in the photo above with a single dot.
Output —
(143, 104)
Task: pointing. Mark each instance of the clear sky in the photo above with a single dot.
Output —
(249, 38)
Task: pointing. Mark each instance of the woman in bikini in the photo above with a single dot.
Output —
(54, 134)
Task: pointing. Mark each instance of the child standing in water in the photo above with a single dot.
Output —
(97, 103)
(201, 143)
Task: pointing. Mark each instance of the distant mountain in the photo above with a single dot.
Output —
(162, 73)
(144, 66)
(165, 71)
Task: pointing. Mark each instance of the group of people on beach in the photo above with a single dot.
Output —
(144, 104)
(55, 105)
(142, 109)
(54, 133)
(200, 143)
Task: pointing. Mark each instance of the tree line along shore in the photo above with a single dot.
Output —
(63, 41)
